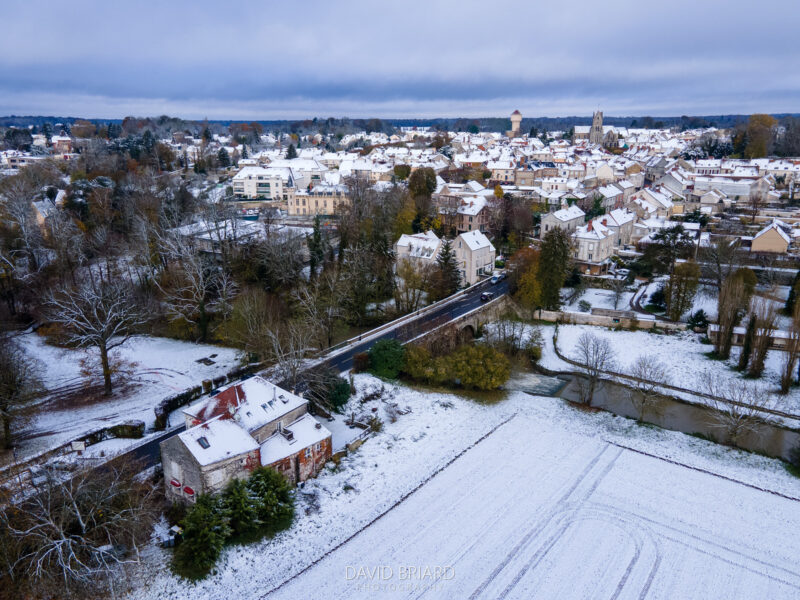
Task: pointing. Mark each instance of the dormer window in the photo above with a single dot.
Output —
(203, 441)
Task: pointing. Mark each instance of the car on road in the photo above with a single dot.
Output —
(497, 277)
(486, 296)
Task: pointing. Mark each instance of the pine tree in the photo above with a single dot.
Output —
(291, 152)
(554, 264)
(273, 498)
(789, 306)
(448, 276)
(205, 530)
(240, 508)
(223, 158)
(244, 151)
(47, 131)
(316, 248)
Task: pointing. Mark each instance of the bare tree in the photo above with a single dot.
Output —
(16, 197)
(19, 383)
(187, 284)
(791, 351)
(413, 280)
(254, 316)
(618, 290)
(765, 315)
(736, 405)
(595, 356)
(102, 316)
(755, 202)
(721, 257)
(290, 345)
(319, 304)
(77, 534)
(730, 305)
(649, 374)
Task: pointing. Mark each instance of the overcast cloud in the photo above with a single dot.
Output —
(297, 59)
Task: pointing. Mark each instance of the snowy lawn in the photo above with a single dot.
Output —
(541, 501)
(600, 298)
(160, 367)
(682, 354)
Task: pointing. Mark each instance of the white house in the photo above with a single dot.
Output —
(475, 255)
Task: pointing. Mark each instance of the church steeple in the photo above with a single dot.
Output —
(596, 133)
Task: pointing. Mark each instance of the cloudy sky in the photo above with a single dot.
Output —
(293, 59)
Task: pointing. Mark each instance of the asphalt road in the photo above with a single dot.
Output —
(425, 322)
(149, 453)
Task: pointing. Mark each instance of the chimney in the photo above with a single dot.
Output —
(589, 226)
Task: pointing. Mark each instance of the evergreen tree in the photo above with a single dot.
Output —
(244, 151)
(789, 306)
(448, 277)
(223, 158)
(747, 344)
(291, 152)
(148, 141)
(316, 247)
(240, 508)
(272, 494)
(554, 265)
(205, 530)
(47, 131)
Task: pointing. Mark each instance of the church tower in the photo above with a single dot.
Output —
(596, 133)
(516, 120)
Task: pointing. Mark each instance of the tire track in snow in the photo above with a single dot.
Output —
(541, 524)
(402, 499)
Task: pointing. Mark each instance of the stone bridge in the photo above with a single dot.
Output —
(453, 332)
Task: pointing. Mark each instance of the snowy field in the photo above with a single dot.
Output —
(160, 367)
(524, 498)
(682, 354)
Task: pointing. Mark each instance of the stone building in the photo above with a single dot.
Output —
(516, 120)
(596, 133)
(249, 424)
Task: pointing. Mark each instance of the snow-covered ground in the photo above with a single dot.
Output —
(682, 354)
(160, 367)
(524, 498)
(600, 298)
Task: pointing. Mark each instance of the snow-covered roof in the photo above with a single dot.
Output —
(475, 240)
(216, 440)
(305, 431)
(420, 245)
(777, 226)
(569, 213)
(472, 205)
(253, 403)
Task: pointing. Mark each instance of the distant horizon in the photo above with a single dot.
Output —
(398, 118)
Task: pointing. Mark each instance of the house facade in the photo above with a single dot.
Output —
(475, 255)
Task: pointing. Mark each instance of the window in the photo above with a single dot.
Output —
(308, 452)
(317, 446)
(203, 441)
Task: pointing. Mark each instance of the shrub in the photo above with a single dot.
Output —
(386, 358)
(205, 530)
(584, 306)
(478, 367)
(535, 353)
(418, 363)
(658, 298)
(360, 362)
(699, 320)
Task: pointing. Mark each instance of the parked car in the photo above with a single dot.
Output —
(494, 279)
(486, 296)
